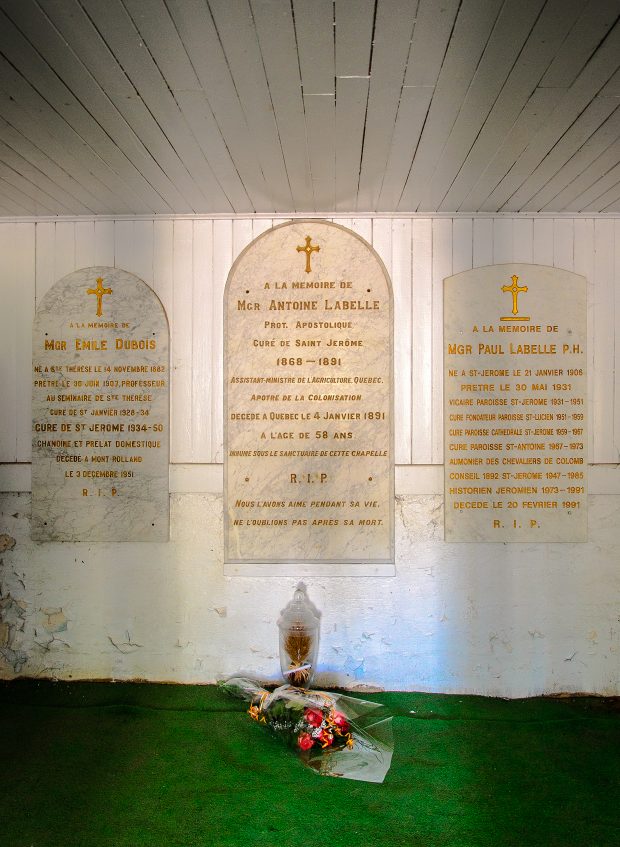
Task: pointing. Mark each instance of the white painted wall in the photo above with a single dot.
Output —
(497, 619)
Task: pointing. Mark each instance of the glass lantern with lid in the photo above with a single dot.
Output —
(299, 639)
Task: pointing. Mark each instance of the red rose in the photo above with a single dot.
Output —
(340, 722)
(305, 741)
(314, 717)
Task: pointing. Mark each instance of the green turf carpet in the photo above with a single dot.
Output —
(122, 765)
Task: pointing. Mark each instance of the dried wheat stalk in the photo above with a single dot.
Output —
(298, 645)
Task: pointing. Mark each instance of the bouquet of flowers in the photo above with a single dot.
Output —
(334, 734)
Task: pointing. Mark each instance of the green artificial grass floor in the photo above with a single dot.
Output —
(126, 765)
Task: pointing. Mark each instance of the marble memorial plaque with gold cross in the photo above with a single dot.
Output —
(515, 405)
(100, 407)
(309, 473)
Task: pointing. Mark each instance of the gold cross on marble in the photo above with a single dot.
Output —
(515, 290)
(308, 250)
(99, 292)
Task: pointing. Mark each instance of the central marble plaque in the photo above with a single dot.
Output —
(309, 472)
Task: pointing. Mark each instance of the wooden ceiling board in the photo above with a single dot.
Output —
(482, 197)
(431, 35)
(64, 62)
(592, 78)
(19, 165)
(595, 21)
(237, 33)
(546, 37)
(472, 28)
(95, 55)
(600, 194)
(117, 28)
(351, 100)
(44, 203)
(314, 34)
(586, 124)
(23, 201)
(157, 28)
(157, 107)
(510, 33)
(196, 109)
(412, 112)
(321, 131)
(37, 159)
(75, 141)
(36, 120)
(276, 36)
(600, 152)
(392, 42)
(195, 26)
(613, 206)
(127, 181)
(42, 128)
(314, 30)
(353, 27)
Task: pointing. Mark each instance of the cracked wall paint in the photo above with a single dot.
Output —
(54, 620)
(12, 614)
(125, 646)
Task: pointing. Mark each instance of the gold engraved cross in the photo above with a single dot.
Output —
(99, 292)
(308, 250)
(515, 290)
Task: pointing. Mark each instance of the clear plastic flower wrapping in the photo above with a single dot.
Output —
(333, 733)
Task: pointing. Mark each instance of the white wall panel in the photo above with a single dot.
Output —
(422, 336)
(202, 312)
(8, 346)
(24, 282)
(181, 337)
(483, 242)
(563, 243)
(442, 267)
(64, 249)
(104, 243)
(187, 262)
(616, 295)
(44, 259)
(401, 284)
(542, 251)
(584, 264)
(84, 244)
(502, 240)
(222, 262)
(602, 341)
(523, 240)
(462, 245)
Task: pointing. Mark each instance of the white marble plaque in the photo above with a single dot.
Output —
(308, 402)
(100, 441)
(515, 405)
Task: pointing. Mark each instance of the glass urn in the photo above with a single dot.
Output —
(299, 639)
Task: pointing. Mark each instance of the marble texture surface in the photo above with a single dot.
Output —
(515, 401)
(100, 410)
(308, 400)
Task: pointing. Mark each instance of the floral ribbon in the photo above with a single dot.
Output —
(255, 711)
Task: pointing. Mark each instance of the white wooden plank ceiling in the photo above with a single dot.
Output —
(309, 106)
